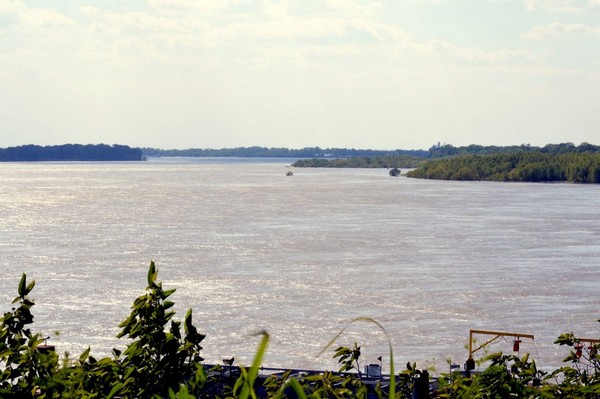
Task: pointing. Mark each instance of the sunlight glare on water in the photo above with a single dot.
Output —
(249, 248)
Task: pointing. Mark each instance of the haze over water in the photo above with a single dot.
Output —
(248, 248)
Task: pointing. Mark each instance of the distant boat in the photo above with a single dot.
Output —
(395, 172)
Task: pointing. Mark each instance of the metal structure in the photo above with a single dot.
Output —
(579, 346)
(470, 365)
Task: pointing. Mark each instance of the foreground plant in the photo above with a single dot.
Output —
(580, 378)
(160, 358)
(162, 361)
(22, 366)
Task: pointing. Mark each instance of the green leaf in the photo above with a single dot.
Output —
(128, 372)
(115, 390)
(84, 355)
(152, 274)
(248, 387)
(188, 327)
(30, 287)
(297, 388)
(566, 339)
(23, 286)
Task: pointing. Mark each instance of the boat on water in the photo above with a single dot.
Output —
(395, 172)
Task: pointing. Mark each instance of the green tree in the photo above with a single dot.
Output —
(580, 378)
(160, 357)
(23, 366)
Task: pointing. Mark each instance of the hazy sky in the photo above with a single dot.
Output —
(382, 74)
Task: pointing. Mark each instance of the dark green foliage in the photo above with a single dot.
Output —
(516, 167)
(581, 377)
(448, 150)
(158, 359)
(382, 161)
(161, 361)
(507, 376)
(476, 162)
(266, 152)
(336, 385)
(70, 152)
(22, 366)
(348, 358)
(244, 387)
(334, 157)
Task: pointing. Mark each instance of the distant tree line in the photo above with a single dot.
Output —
(553, 162)
(384, 161)
(575, 167)
(70, 152)
(334, 155)
(268, 152)
(448, 150)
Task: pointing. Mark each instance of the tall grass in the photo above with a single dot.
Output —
(392, 390)
(248, 377)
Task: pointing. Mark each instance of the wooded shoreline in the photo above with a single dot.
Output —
(70, 152)
(552, 163)
(563, 162)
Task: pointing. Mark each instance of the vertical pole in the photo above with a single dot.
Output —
(470, 344)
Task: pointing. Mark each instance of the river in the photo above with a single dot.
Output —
(249, 248)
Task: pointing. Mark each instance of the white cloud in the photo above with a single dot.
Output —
(285, 37)
(204, 5)
(476, 55)
(351, 6)
(128, 38)
(559, 6)
(7, 7)
(142, 21)
(330, 60)
(40, 17)
(557, 29)
(278, 23)
(26, 17)
(282, 29)
(184, 31)
(427, 1)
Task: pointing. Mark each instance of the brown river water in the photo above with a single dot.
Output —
(249, 248)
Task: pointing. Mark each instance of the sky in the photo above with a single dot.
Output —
(388, 74)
